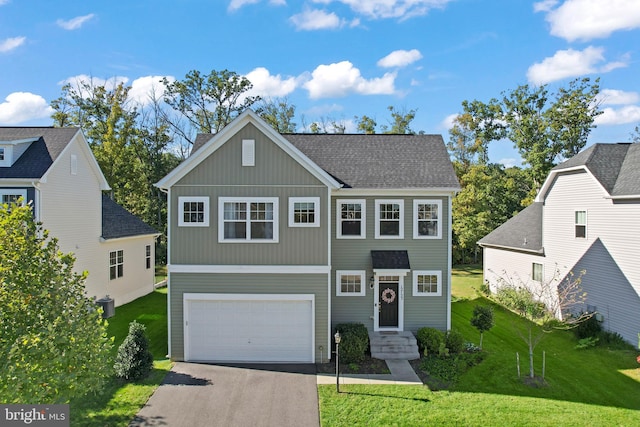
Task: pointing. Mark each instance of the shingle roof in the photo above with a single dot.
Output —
(615, 166)
(375, 161)
(118, 222)
(390, 260)
(40, 155)
(522, 232)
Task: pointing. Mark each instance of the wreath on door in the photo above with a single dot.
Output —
(388, 295)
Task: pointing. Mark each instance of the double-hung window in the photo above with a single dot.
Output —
(427, 283)
(116, 264)
(147, 256)
(389, 219)
(304, 212)
(581, 224)
(193, 211)
(248, 219)
(351, 219)
(427, 219)
(537, 272)
(350, 283)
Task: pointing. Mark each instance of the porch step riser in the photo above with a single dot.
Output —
(401, 346)
(397, 356)
(393, 348)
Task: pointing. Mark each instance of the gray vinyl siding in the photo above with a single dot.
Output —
(181, 283)
(424, 254)
(275, 174)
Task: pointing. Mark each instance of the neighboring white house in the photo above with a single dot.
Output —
(55, 170)
(585, 217)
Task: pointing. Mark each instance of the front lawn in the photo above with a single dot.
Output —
(121, 401)
(596, 386)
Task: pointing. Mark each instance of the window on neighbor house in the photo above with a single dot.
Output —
(1, 154)
(304, 211)
(536, 272)
(427, 223)
(116, 264)
(9, 196)
(427, 283)
(252, 219)
(351, 219)
(581, 224)
(389, 219)
(147, 256)
(193, 211)
(350, 283)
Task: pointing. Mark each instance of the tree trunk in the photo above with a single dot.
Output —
(481, 334)
(530, 355)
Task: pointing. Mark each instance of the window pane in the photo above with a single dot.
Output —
(388, 228)
(262, 230)
(581, 217)
(351, 211)
(351, 228)
(303, 212)
(235, 230)
(350, 283)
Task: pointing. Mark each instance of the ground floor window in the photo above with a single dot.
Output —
(116, 264)
(350, 283)
(427, 283)
(147, 256)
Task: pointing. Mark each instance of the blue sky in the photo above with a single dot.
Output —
(333, 59)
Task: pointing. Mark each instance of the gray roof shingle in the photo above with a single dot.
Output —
(40, 155)
(522, 232)
(118, 222)
(390, 260)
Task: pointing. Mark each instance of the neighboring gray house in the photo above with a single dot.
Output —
(55, 171)
(274, 239)
(585, 217)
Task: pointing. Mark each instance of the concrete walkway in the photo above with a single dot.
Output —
(401, 373)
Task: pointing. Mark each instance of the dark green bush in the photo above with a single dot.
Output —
(134, 360)
(429, 340)
(454, 341)
(589, 328)
(354, 342)
(613, 341)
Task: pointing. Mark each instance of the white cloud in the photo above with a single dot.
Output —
(20, 107)
(267, 85)
(509, 162)
(380, 9)
(237, 4)
(11, 43)
(342, 78)
(77, 82)
(400, 58)
(447, 122)
(3, 2)
(145, 89)
(617, 97)
(544, 6)
(619, 116)
(74, 23)
(570, 63)
(589, 19)
(315, 19)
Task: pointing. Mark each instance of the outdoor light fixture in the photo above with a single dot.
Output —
(337, 337)
(371, 282)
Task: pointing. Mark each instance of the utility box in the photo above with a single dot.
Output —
(108, 307)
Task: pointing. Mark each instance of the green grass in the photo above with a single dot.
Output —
(595, 387)
(121, 401)
(160, 273)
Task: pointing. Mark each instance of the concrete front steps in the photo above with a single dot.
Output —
(393, 345)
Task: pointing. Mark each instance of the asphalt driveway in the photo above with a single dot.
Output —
(234, 395)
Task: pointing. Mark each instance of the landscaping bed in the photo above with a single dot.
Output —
(368, 366)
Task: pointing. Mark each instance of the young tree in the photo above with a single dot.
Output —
(400, 121)
(551, 304)
(53, 341)
(482, 319)
(366, 125)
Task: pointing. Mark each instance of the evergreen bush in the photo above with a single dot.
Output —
(354, 342)
(429, 340)
(134, 360)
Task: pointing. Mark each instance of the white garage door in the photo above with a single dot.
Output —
(249, 328)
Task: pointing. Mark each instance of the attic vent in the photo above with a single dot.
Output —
(74, 164)
(248, 152)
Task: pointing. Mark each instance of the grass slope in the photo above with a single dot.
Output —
(595, 387)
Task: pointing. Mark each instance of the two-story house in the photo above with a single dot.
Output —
(274, 239)
(584, 218)
(55, 171)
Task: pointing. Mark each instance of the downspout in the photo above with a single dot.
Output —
(37, 199)
(449, 260)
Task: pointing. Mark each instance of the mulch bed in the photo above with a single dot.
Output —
(368, 366)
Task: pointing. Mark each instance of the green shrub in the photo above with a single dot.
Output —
(454, 341)
(585, 343)
(589, 328)
(134, 360)
(613, 341)
(449, 369)
(354, 342)
(429, 340)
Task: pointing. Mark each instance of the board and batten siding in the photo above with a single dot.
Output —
(275, 174)
(272, 284)
(424, 254)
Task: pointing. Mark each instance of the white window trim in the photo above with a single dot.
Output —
(586, 223)
(363, 219)
(340, 273)
(248, 152)
(17, 192)
(8, 156)
(248, 200)
(380, 202)
(436, 273)
(116, 264)
(533, 264)
(182, 201)
(316, 204)
(147, 257)
(417, 202)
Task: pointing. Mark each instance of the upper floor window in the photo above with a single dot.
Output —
(8, 196)
(581, 224)
(536, 272)
(304, 211)
(1, 154)
(351, 219)
(248, 219)
(350, 283)
(193, 211)
(116, 264)
(427, 283)
(389, 219)
(5, 155)
(427, 219)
